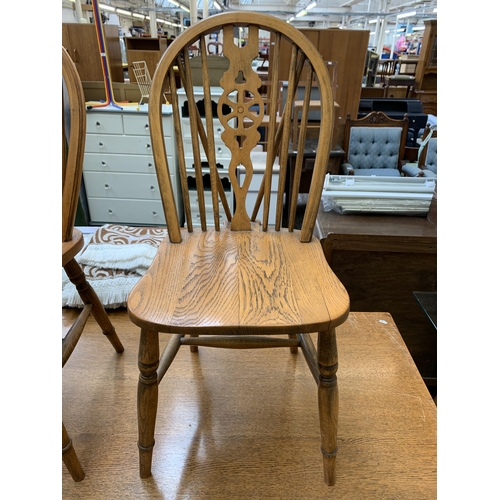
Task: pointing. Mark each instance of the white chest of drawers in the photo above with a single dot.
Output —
(118, 170)
(222, 156)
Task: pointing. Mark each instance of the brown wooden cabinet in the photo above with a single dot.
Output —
(145, 49)
(348, 49)
(80, 40)
(426, 74)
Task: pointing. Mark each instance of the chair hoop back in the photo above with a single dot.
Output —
(73, 143)
(228, 117)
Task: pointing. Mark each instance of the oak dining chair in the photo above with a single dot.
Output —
(73, 145)
(235, 281)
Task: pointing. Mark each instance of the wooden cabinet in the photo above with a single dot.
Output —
(149, 50)
(348, 49)
(80, 40)
(118, 169)
(426, 74)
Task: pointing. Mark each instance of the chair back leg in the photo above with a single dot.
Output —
(89, 296)
(69, 457)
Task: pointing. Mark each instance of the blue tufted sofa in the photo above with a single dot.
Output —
(374, 145)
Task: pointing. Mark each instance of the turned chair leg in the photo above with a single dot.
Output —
(69, 457)
(147, 398)
(328, 401)
(88, 296)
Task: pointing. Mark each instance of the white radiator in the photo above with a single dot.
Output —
(348, 194)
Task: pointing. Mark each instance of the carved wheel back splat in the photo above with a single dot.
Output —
(242, 79)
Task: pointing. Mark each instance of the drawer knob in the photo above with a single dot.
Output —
(98, 124)
(101, 145)
(148, 146)
(103, 163)
(150, 165)
(152, 188)
(154, 213)
(106, 186)
(146, 126)
(219, 150)
(110, 211)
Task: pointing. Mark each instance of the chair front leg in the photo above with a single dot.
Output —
(147, 398)
(88, 296)
(328, 401)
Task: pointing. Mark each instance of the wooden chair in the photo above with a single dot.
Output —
(73, 145)
(374, 145)
(238, 284)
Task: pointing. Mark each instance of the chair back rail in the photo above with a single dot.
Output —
(237, 107)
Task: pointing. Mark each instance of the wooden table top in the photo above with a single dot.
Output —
(253, 433)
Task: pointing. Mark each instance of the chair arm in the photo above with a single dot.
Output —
(347, 169)
(412, 170)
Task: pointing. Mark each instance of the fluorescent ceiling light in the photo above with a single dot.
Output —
(103, 6)
(217, 5)
(123, 12)
(139, 16)
(177, 4)
(302, 13)
(418, 28)
(183, 7)
(406, 14)
(372, 21)
(311, 6)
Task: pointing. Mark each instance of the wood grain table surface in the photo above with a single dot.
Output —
(244, 424)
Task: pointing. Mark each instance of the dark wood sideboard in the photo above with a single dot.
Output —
(382, 260)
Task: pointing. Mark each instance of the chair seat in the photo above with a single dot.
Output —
(234, 282)
(72, 247)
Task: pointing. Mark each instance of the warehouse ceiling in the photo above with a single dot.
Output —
(326, 13)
